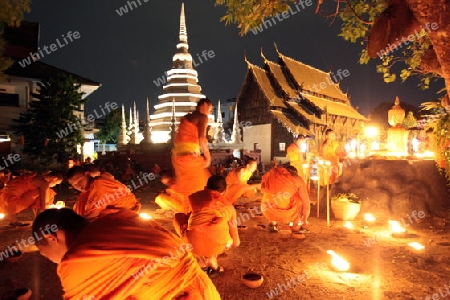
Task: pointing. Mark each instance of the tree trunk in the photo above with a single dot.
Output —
(436, 11)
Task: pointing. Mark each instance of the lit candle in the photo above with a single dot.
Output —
(338, 262)
(145, 216)
(416, 245)
(348, 225)
(369, 218)
(395, 227)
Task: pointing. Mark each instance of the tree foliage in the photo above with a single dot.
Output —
(11, 13)
(49, 127)
(110, 131)
(440, 124)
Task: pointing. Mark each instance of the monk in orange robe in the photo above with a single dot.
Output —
(295, 155)
(119, 256)
(29, 191)
(237, 182)
(191, 168)
(212, 225)
(100, 195)
(332, 152)
(285, 198)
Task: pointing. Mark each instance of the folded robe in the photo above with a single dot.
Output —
(281, 200)
(122, 257)
(105, 193)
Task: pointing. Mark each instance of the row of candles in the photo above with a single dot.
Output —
(340, 264)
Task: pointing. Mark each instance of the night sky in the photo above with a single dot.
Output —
(127, 53)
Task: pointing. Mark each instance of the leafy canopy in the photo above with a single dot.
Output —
(49, 127)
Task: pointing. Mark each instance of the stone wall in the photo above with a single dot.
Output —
(394, 188)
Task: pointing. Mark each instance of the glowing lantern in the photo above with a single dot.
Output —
(416, 245)
(395, 227)
(145, 216)
(369, 218)
(338, 262)
(2, 216)
(348, 225)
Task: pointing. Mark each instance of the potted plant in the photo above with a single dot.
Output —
(345, 206)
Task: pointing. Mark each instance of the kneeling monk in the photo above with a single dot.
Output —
(100, 195)
(119, 256)
(285, 198)
(211, 226)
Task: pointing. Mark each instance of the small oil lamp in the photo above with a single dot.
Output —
(338, 262)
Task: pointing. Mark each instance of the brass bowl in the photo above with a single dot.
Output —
(252, 280)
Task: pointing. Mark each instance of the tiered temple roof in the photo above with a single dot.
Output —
(290, 89)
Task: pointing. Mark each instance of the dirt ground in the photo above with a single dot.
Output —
(382, 266)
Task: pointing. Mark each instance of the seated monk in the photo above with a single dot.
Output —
(119, 256)
(237, 182)
(285, 198)
(100, 195)
(211, 227)
(29, 191)
(191, 168)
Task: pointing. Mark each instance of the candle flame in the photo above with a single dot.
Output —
(338, 262)
(145, 216)
(2, 215)
(416, 245)
(369, 218)
(395, 227)
(348, 225)
(58, 205)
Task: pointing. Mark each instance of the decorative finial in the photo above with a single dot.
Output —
(262, 55)
(183, 30)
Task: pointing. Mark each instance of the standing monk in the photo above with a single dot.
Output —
(191, 168)
(100, 195)
(119, 256)
(237, 182)
(29, 191)
(295, 155)
(332, 152)
(285, 198)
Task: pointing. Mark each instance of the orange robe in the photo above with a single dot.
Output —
(105, 195)
(330, 153)
(237, 185)
(122, 257)
(190, 173)
(208, 230)
(20, 194)
(295, 158)
(282, 195)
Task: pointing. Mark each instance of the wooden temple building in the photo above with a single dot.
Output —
(287, 98)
